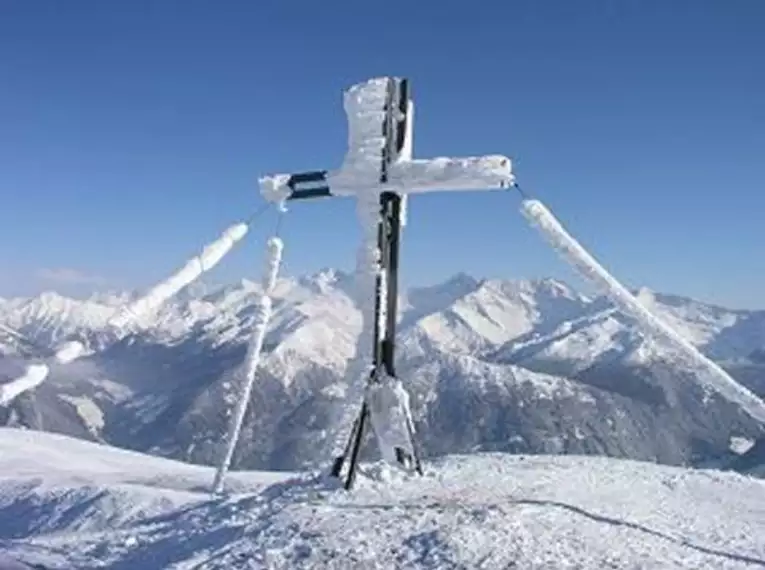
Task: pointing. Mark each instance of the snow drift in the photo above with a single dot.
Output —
(70, 504)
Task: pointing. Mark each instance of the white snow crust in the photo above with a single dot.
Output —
(65, 503)
(364, 105)
(391, 415)
(445, 174)
(580, 259)
(274, 188)
(426, 175)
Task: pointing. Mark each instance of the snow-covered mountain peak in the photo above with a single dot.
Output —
(49, 317)
(535, 292)
(462, 313)
(461, 281)
(236, 289)
(111, 298)
(46, 302)
(550, 287)
(697, 321)
(325, 280)
(465, 315)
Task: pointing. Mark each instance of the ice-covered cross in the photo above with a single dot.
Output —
(379, 171)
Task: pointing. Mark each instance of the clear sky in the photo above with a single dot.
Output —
(133, 132)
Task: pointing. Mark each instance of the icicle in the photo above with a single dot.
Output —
(262, 316)
(35, 374)
(573, 252)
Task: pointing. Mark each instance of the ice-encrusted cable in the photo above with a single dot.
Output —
(649, 323)
(263, 314)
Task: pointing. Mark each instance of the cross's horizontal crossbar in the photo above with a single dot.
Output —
(404, 177)
(378, 159)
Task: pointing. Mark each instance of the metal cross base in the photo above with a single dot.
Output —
(389, 234)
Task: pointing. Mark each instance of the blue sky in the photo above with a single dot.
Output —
(132, 133)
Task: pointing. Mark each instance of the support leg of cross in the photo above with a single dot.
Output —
(379, 171)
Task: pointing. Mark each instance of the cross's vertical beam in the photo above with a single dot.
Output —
(383, 350)
(395, 128)
(390, 203)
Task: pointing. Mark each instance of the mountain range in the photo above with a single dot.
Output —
(492, 365)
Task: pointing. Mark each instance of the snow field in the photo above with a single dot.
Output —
(107, 508)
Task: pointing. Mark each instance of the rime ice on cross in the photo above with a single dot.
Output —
(378, 169)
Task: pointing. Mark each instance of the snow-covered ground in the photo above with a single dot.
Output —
(68, 504)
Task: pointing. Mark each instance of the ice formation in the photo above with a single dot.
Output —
(69, 351)
(445, 174)
(364, 106)
(262, 316)
(573, 252)
(391, 416)
(407, 177)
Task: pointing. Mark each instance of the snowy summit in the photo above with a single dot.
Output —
(71, 504)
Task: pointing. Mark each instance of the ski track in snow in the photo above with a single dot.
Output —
(110, 508)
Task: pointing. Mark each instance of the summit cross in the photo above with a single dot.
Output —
(379, 171)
